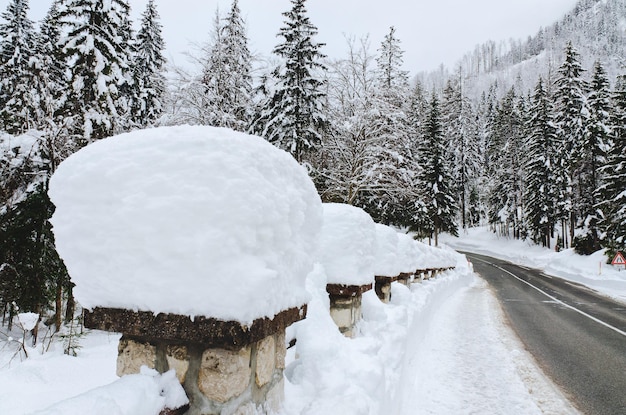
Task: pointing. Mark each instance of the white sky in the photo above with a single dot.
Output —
(431, 31)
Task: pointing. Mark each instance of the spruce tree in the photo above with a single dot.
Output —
(227, 79)
(148, 69)
(610, 194)
(569, 95)
(95, 47)
(506, 154)
(591, 156)
(435, 178)
(292, 117)
(18, 106)
(539, 191)
(462, 140)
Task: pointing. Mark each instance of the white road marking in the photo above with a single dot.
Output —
(597, 320)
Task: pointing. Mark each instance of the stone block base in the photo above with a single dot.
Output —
(345, 306)
(217, 381)
(224, 367)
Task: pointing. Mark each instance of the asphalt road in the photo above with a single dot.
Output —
(577, 336)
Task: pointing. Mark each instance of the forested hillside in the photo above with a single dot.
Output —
(528, 138)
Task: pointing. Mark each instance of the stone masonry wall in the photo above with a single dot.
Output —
(217, 381)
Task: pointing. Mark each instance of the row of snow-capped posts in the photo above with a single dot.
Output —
(203, 305)
(358, 255)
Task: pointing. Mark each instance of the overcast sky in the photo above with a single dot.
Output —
(431, 31)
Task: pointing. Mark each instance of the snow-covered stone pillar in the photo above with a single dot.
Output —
(194, 243)
(346, 250)
(387, 262)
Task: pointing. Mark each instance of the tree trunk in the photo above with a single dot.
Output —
(58, 310)
(70, 306)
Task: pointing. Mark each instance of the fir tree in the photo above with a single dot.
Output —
(148, 69)
(435, 178)
(99, 66)
(462, 140)
(18, 107)
(611, 195)
(506, 155)
(539, 190)
(292, 118)
(49, 81)
(569, 95)
(591, 156)
(226, 76)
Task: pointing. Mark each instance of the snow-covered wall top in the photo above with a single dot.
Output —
(347, 245)
(387, 261)
(187, 220)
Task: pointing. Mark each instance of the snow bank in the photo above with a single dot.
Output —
(591, 270)
(187, 220)
(147, 393)
(336, 375)
(347, 245)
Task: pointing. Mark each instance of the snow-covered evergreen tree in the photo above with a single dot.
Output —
(98, 56)
(570, 97)
(539, 190)
(49, 69)
(611, 195)
(506, 154)
(435, 178)
(591, 154)
(226, 79)
(18, 106)
(462, 140)
(292, 117)
(148, 69)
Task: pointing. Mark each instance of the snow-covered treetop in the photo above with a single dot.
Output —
(347, 245)
(188, 220)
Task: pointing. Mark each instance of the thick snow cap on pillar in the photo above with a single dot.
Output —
(347, 245)
(387, 260)
(187, 220)
(409, 253)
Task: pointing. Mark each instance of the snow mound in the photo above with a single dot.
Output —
(187, 220)
(347, 245)
(147, 393)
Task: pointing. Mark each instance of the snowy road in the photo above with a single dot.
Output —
(578, 336)
(469, 362)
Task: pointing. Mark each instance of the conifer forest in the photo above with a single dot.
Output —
(527, 138)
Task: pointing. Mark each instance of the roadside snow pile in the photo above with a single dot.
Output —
(147, 393)
(591, 270)
(186, 220)
(347, 245)
(333, 374)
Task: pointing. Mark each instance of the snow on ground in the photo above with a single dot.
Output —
(439, 347)
(591, 270)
